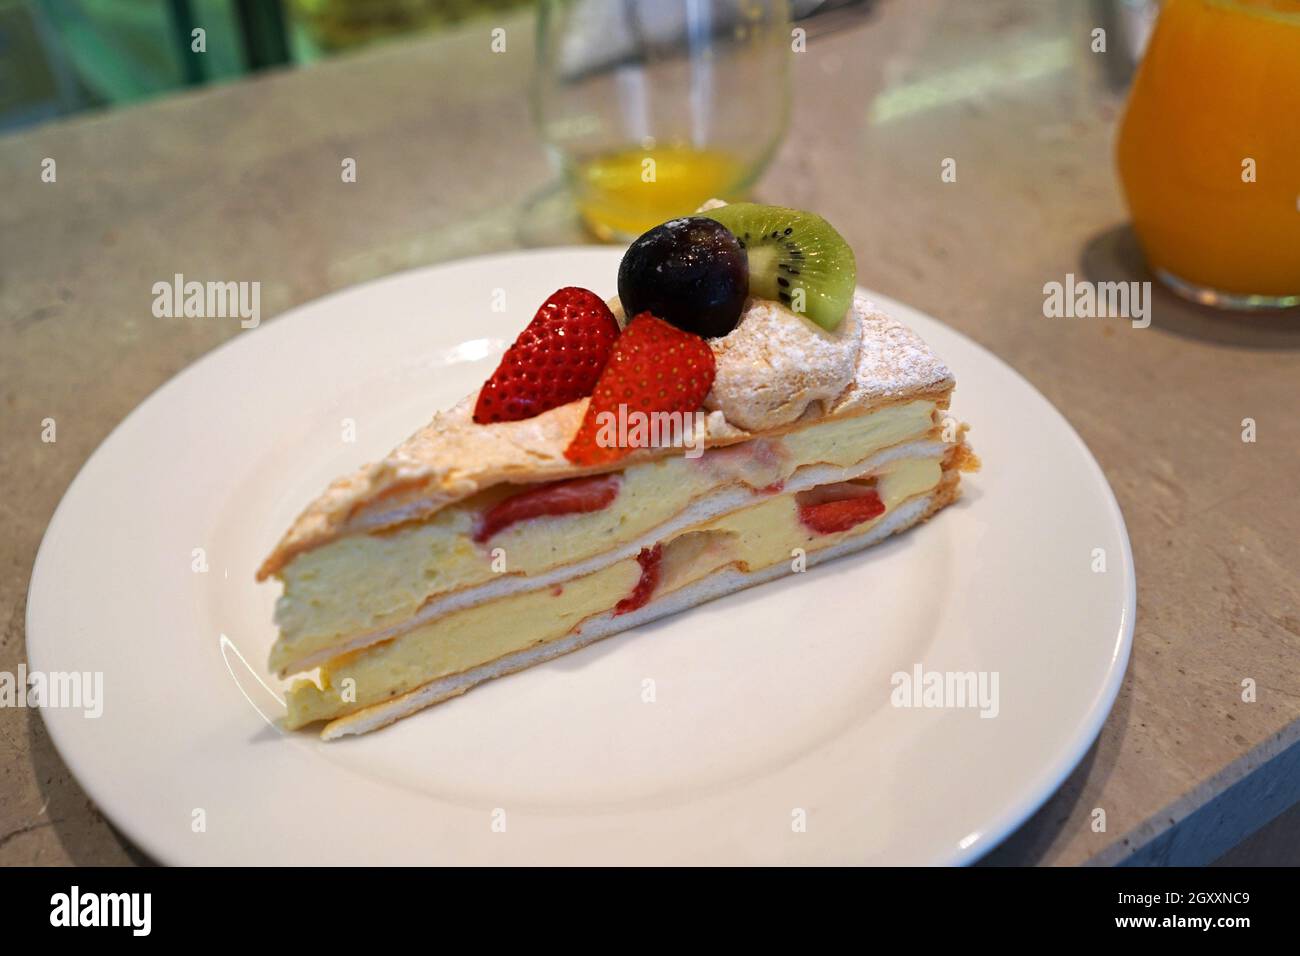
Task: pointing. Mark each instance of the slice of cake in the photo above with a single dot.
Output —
(609, 474)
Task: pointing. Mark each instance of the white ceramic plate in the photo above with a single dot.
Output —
(771, 737)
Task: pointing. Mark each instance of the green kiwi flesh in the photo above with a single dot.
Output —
(795, 258)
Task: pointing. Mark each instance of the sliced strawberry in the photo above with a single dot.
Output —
(838, 491)
(575, 496)
(830, 509)
(556, 360)
(651, 561)
(654, 367)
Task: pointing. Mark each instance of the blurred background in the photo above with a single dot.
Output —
(619, 85)
(62, 56)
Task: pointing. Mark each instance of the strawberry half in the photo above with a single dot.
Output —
(654, 367)
(557, 359)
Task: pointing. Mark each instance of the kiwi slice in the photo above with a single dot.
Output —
(796, 258)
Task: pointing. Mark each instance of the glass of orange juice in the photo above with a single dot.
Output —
(1209, 151)
(652, 107)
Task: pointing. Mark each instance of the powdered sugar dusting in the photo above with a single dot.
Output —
(775, 364)
(893, 361)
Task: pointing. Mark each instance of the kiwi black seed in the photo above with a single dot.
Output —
(796, 258)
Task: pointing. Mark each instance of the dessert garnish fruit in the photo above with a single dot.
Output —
(555, 360)
(692, 273)
(795, 258)
(511, 529)
(654, 367)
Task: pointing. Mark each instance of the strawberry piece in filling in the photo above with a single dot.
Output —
(573, 496)
(651, 560)
(830, 509)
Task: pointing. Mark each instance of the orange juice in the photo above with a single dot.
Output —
(624, 193)
(1209, 150)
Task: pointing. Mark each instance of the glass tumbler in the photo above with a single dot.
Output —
(651, 107)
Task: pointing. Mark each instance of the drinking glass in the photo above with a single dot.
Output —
(1209, 151)
(651, 108)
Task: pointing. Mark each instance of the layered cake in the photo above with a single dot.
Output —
(753, 417)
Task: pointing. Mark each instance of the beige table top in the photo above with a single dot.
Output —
(243, 181)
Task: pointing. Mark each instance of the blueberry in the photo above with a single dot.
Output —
(692, 273)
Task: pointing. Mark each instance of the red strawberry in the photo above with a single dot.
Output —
(654, 367)
(831, 509)
(575, 496)
(557, 359)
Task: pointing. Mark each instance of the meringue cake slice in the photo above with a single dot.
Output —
(475, 550)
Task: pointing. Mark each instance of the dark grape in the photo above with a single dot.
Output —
(692, 273)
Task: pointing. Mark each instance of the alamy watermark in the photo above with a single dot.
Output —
(946, 690)
(1082, 299)
(637, 429)
(72, 690)
(74, 908)
(179, 299)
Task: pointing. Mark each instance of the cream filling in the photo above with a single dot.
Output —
(718, 584)
(750, 539)
(371, 587)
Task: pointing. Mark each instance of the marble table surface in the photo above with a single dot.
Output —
(242, 180)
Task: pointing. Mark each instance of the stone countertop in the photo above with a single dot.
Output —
(242, 180)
